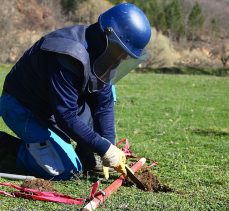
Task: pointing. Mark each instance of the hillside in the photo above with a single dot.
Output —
(22, 23)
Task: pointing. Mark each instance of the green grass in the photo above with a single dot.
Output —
(179, 120)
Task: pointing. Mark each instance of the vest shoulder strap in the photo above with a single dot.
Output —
(67, 47)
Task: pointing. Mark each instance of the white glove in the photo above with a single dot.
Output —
(114, 157)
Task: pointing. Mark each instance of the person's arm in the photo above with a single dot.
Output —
(63, 85)
(102, 107)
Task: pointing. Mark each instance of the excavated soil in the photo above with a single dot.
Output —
(151, 181)
(38, 184)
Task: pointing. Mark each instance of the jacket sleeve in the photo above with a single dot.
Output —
(102, 107)
(63, 86)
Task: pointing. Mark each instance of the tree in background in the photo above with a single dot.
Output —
(195, 20)
(175, 20)
(161, 22)
(70, 5)
(161, 52)
(224, 55)
(88, 11)
(214, 27)
(116, 1)
(154, 12)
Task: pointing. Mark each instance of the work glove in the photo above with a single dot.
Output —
(114, 157)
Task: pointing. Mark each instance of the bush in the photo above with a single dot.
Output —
(161, 51)
(195, 58)
(88, 11)
(69, 5)
(22, 23)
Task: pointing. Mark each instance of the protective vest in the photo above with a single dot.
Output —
(27, 80)
(70, 41)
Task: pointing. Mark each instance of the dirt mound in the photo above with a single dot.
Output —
(150, 181)
(38, 184)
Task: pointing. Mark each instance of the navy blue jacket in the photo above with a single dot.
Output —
(52, 78)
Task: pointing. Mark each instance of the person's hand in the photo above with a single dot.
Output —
(114, 157)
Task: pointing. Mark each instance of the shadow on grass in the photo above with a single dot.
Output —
(209, 132)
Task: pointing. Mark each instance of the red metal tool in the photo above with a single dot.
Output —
(100, 198)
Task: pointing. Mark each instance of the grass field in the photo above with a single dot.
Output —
(179, 120)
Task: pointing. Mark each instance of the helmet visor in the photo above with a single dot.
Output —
(126, 66)
(115, 63)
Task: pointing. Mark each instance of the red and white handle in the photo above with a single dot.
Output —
(99, 199)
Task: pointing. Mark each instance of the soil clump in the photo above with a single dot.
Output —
(151, 181)
(38, 184)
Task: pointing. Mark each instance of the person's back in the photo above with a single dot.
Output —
(28, 81)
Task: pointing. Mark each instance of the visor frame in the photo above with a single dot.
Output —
(112, 36)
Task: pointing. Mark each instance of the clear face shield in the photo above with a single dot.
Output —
(115, 62)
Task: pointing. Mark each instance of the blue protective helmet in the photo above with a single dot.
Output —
(129, 26)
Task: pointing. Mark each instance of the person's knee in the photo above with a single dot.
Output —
(49, 160)
(46, 157)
